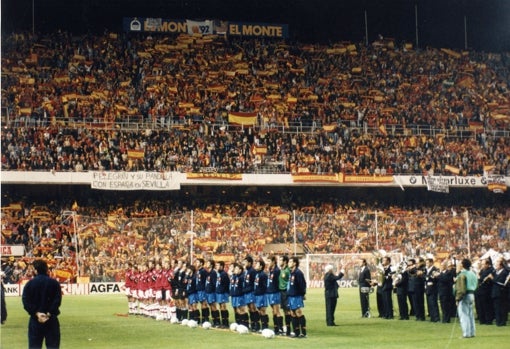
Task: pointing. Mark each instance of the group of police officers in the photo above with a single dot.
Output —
(177, 290)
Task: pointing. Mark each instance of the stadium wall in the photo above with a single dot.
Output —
(174, 180)
(84, 289)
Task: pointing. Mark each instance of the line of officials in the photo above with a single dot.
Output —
(419, 284)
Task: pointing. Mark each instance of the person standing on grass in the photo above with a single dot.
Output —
(3, 305)
(201, 277)
(131, 280)
(210, 291)
(444, 290)
(41, 299)
(273, 295)
(259, 291)
(222, 293)
(364, 283)
(296, 292)
(331, 293)
(417, 285)
(431, 289)
(179, 286)
(499, 292)
(237, 296)
(387, 288)
(483, 301)
(465, 287)
(249, 297)
(400, 283)
(283, 283)
(164, 290)
(192, 293)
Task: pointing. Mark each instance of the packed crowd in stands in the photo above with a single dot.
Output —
(109, 236)
(377, 109)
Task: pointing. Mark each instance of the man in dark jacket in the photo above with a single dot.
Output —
(364, 283)
(445, 283)
(331, 293)
(387, 289)
(499, 292)
(3, 305)
(400, 282)
(431, 289)
(41, 298)
(483, 300)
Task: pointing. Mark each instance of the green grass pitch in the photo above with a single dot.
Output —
(93, 322)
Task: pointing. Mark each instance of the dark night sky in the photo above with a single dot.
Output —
(440, 22)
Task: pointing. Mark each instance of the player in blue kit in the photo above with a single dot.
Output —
(222, 289)
(260, 292)
(296, 292)
(274, 298)
(237, 295)
(201, 277)
(249, 297)
(191, 292)
(210, 291)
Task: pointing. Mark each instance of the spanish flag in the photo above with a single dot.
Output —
(260, 149)
(242, 118)
(452, 169)
(329, 128)
(186, 105)
(25, 111)
(476, 127)
(497, 187)
(488, 168)
(135, 154)
(382, 129)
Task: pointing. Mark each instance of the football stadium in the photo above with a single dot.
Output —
(213, 174)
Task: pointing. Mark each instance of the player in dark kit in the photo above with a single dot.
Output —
(249, 297)
(191, 291)
(237, 296)
(210, 291)
(222, 289)
(201, 276)
(296, 292)
(259, 290)
(179, 287)
(273, 295)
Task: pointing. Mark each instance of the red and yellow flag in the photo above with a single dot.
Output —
(260, 149)
(136, 154)
(242, 118)
(452, 169)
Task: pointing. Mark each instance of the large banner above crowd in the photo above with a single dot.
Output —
(120, 180)
(134, 181)
(205, 27)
